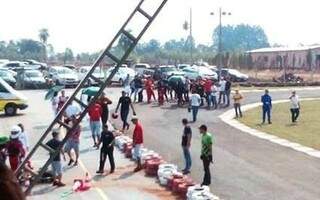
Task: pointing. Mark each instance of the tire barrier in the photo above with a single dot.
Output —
(165, 171)
(152, 166)
(198, 192)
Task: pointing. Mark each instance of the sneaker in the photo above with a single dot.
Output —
(137, 169)
(99, 172)
(54, 183)
(70, 162)
(60, 184)
(75, 163)
(112, 171)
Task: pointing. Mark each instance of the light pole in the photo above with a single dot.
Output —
(221, 13)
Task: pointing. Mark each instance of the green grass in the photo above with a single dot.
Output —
(306, 131)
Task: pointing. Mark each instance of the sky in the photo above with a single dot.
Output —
(89, 25)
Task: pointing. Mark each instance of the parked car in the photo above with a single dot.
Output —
(14, 65)
(121, 74)
(10, 99)
(7, 76)
(234, 75)
(98, 73)
(195, 72)
(35, 63)
(182, 66)
(34, 79)
(3, 61)
(63, 76)
(169, 70)
(141, 67)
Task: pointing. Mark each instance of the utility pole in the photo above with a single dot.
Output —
(191, 37)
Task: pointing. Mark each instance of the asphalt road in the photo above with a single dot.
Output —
(245, 167)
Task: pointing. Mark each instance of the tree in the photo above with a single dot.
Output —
(240, 38)
(44, 35)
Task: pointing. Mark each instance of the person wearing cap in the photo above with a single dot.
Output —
(266, 106)
(137, 142)
(107, 140)
(206, 153)
(125, 103)
(56, 164)
(295, 107)
(15, 148)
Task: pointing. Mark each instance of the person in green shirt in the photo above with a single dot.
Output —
(206, 153)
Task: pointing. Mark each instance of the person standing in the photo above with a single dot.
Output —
(15, 148)
(186, 143)
(237, 97)
(73, 142)
(125, 103)
(214, 93)
(137, 142)
(222, 91)
(107, 140)
(72, 110)
(149, 89)
(266, 107)
(195, 102)
(295, 107)
(206, 154)
(55, 103)
(56, 164)
(207, 89)
(228, 91)
(62, 100)
(104, 103)
(95, 112)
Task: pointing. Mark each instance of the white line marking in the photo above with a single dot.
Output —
(228, 118)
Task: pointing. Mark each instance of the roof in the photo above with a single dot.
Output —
(284, 49)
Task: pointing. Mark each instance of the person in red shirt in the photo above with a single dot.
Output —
(207, 89)
(137, 141)
(15, 148)
(149, 89)
(95, 112)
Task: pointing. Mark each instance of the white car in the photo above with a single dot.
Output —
(195, 72)
(98, 73)
(121, 74)
(63, 76)
(141, 67)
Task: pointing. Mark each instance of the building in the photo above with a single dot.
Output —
(303, 57)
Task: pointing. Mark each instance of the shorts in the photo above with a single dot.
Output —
(137, 151)
(95, 127)
(71, 144)
(56, 168)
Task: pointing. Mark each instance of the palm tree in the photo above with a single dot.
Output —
(44, 35)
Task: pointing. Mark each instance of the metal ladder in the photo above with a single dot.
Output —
(102, 85)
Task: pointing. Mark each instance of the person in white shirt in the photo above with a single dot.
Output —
(295, 107)
(222, 89)
(54, 103)
(73, 110)
(214, 94)
(23, 138)
(195, 102)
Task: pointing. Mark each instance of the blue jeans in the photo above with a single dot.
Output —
(187, 158)
(266, 111)
(95, 128)
(213, 101)
(195, 110)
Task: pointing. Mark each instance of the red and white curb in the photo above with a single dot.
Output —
(281, 89)
(229, 118)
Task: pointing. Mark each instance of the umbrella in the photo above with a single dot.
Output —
(90, 91)
(176, 79)
(52, 90)
(4, 140)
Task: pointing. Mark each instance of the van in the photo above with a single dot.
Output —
(11, 100)
(141, 67)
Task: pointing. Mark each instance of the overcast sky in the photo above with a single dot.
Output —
(88, 25)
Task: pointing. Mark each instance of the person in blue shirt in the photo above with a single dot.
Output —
(266, 107)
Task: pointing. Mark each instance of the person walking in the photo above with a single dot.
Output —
(73, 143)
(207, 89)
(107, 140)
(237, 97)
(195, 102)
(15, 148)
(295, 107)
(95, 112)
(56, 164)
(266, 107)
(62, 100)
(186, 143)
(55, 103)
(149, 89)
(72, 110)
(206, 153)
(228, 91)
(222, 91)
(104, 103)
(137, 142)
(125, 103)
(214, 93)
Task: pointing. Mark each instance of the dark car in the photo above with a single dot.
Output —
(234, 75)
(8, 77)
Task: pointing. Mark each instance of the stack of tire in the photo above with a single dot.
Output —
(121, 141)
(165, 171)
(198, 192)
(152, 166)
(149, 155)
(128, 150)
(173, 177)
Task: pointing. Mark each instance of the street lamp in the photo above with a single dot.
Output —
(221, 13)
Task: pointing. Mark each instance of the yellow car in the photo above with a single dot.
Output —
(11, 100)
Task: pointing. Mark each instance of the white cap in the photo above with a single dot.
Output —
(15, 132)
(134, 117)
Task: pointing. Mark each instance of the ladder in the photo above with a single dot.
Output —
(123, 32)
